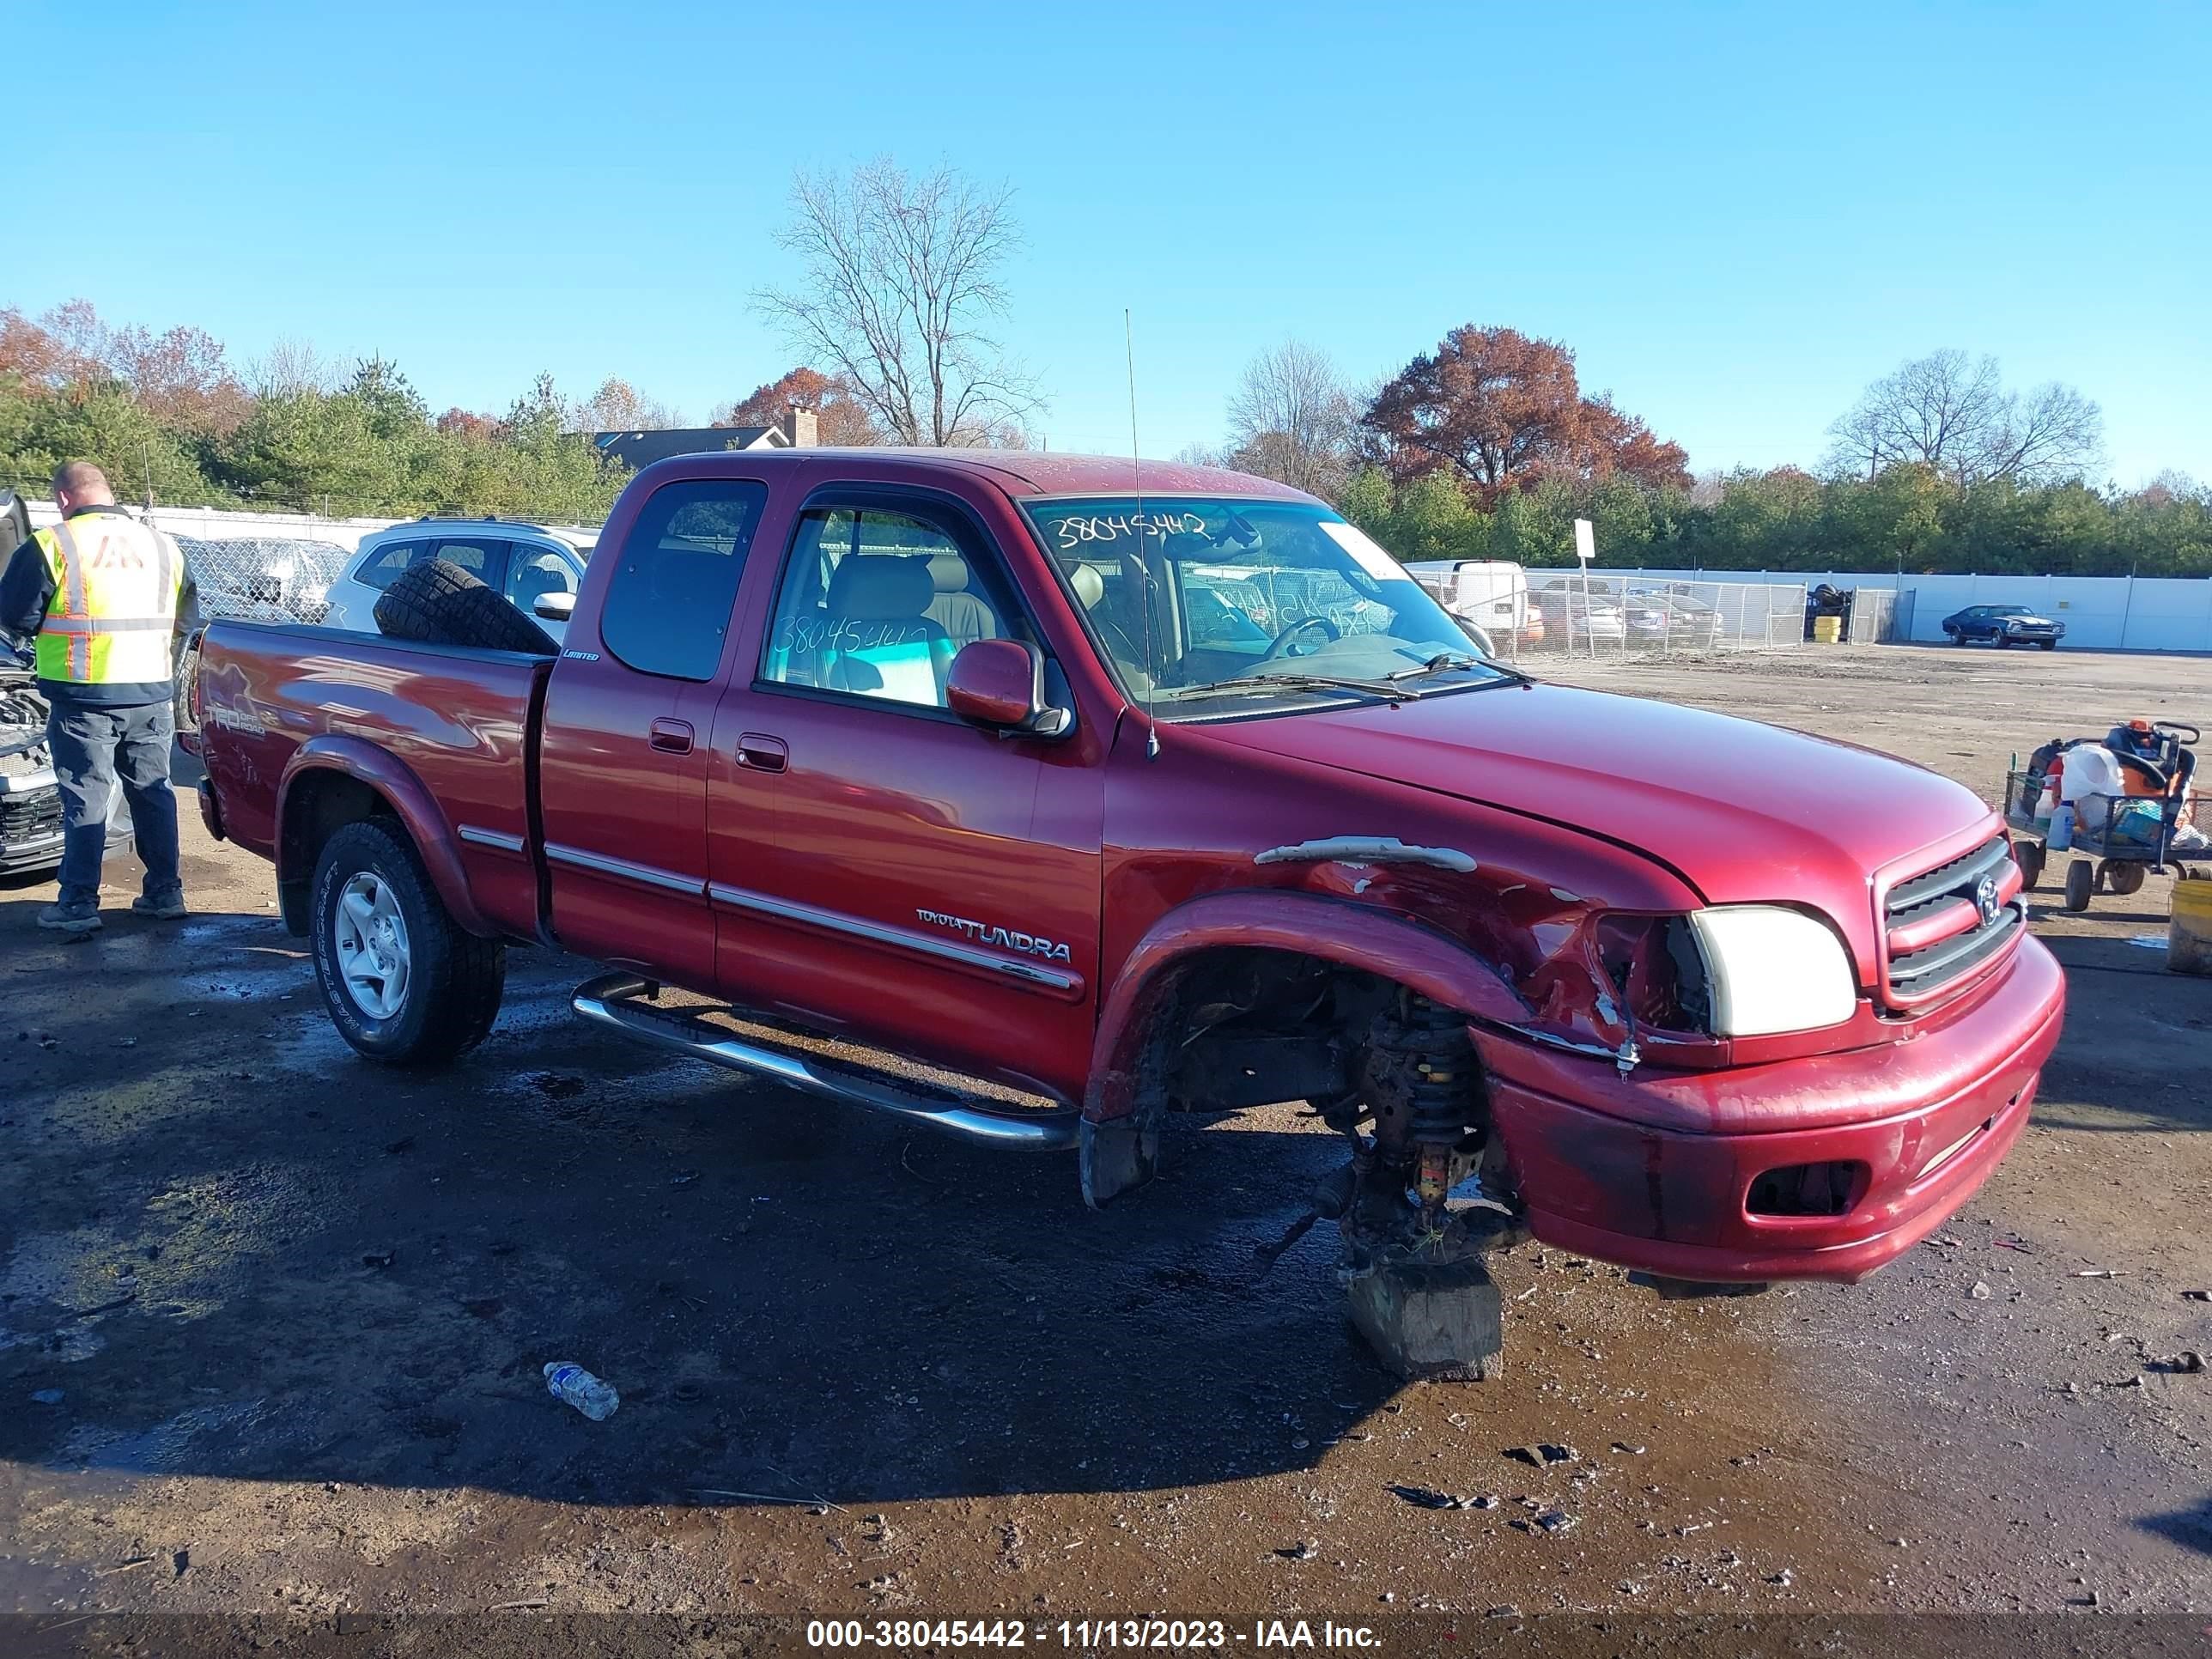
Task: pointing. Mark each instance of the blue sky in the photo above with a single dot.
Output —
(1736, 216)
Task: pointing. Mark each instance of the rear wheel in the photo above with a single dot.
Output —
(438, 602)
(403, 983)
(2028, 855)
(2081, 883)
(1958, 636)
(2122, 878)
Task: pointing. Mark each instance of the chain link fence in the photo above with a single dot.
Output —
(263, 578)
(1535, 616)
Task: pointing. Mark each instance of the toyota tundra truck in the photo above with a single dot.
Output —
(1041, 797)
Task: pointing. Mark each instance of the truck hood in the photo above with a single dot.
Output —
(1744, 812)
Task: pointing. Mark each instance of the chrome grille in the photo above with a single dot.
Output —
(1947, 955)
(34, 815)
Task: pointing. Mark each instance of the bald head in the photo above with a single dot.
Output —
(80, 483)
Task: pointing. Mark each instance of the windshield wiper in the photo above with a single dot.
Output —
(1381, 688)
(1443, 661)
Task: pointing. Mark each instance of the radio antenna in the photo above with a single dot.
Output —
(1143, 571)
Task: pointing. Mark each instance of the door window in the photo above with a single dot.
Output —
(876, 604)
(533, 571)
(484, 560)
(382, 567)
(675, 582)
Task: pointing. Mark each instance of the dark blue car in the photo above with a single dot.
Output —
(2003, 624)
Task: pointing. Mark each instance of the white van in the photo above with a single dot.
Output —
(1492, 593)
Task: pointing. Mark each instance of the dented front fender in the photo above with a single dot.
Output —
(1352, 935)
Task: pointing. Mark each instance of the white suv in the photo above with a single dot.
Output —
(531, 565)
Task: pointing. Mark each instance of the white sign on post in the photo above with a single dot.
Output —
(1585, 550)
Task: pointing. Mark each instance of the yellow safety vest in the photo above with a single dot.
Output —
(117, 586)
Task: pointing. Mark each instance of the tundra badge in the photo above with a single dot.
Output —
(1008, 939)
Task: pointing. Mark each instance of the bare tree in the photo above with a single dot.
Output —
(902, 276)
(2048, 434)
(1291, 419)
(292, 369)
(2172, 485)
(1951, 412)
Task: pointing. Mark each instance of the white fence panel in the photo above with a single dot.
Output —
(2170, 613)
(2101, 613)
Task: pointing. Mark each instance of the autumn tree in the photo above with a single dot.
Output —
(1502, 411)
(459, 422)
(1952, 413)
(840, 416)
(1291, 420)
(179, 377)
(901, 280)
(618, 406)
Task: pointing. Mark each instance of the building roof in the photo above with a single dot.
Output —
(636, 449)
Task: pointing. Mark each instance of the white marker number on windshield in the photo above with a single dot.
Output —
(1110, 527)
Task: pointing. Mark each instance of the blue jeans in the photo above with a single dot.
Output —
(94, 750)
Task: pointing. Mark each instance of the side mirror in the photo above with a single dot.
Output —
(556, 607)
(998, 684)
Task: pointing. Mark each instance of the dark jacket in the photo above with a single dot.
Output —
(27, 588)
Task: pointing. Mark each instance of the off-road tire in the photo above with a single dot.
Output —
(438, 602)
(455, 979)
(2081, 884)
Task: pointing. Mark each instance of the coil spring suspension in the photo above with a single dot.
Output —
(1442, 1096)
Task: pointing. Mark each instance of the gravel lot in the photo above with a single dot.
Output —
(295, 1309)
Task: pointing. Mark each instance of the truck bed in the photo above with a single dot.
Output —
(447, 732)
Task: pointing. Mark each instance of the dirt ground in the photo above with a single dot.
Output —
(272, 1320)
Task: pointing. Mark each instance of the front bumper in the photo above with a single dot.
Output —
(1941, 1107)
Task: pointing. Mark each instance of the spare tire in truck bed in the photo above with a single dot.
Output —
(438, 602)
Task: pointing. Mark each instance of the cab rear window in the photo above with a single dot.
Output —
(670, 597)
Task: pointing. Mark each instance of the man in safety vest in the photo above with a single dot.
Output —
(105, 595)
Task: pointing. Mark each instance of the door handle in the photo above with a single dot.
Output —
(761, 753)
(672, 737)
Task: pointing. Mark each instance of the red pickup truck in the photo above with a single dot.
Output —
(1040, 797)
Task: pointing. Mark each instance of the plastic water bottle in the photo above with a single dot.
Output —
(566, 1380)
(2061, 836)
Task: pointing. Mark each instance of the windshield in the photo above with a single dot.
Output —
(1254, 606)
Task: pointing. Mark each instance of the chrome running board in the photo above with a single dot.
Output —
(615, 1000)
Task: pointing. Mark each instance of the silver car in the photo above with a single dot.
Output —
(537, 567)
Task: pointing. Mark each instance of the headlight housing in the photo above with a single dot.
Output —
(1770, 970)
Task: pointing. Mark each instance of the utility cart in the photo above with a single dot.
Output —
(2119, 837)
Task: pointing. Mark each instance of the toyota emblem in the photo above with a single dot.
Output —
(1985, 899)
